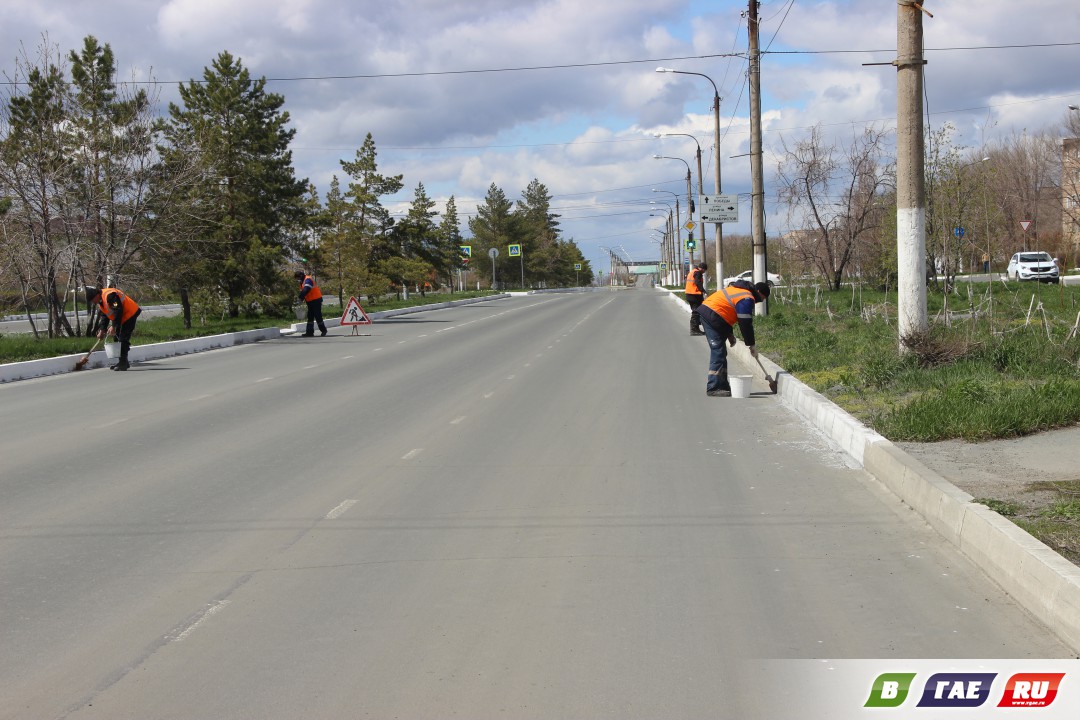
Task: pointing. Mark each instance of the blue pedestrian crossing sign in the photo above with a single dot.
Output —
(514, 250)
(958, 232)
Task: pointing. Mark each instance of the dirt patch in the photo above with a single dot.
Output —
(1015, 471)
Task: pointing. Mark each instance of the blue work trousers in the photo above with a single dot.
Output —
(718, 376)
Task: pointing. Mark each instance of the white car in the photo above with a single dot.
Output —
(748, 276)
(1034, 265)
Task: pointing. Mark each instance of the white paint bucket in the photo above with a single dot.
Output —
(112, 350)
(740, 385)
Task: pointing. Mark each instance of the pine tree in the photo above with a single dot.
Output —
(417, 234)
(248, 197)
(493, 227)
(450, 240)
(113, 162)
(342, 251)
(365, 190)
(539, 235)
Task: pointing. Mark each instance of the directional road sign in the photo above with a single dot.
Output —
(718, 208)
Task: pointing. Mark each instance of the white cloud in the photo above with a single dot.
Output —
(583, 129)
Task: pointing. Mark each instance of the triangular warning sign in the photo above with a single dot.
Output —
(354, 314)
(1025, 224)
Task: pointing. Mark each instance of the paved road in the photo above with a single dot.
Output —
(526, 508)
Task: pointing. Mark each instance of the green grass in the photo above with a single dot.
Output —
(967, 379)
(1058, 524)
(1001, 507)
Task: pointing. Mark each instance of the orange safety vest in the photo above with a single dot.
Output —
(314, 293)
(692, 287)
(718, 303)
(128, 306)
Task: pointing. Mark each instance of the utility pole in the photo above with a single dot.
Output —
(910, 176)
(757, 196)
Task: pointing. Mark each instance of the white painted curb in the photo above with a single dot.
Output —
(10, 372)
(1042, 581)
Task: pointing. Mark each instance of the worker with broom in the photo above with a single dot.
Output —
(118, 315)
(695, 295)
(720, 312)
(311, 295)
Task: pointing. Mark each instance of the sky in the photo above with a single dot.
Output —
(460, 94)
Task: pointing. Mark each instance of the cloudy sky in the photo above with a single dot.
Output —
(459, 94)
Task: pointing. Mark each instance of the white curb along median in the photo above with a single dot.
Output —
(141, 353)
(1041, 580)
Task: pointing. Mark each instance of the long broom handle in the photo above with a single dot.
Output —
(87, 355)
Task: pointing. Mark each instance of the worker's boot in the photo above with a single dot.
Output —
(123, 364)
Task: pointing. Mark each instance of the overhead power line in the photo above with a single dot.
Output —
(437, 73)
(925, 50)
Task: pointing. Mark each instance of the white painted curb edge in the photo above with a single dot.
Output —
(10, 372)
(1039, 579)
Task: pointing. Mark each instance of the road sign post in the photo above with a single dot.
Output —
(493, 253)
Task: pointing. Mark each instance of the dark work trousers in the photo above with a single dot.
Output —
(127, 328)
(314, 315)
(694, 301)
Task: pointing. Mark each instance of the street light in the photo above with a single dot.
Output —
(689, 196)
(678, 224)
(716, 161)
(669, 243)
(700, 188)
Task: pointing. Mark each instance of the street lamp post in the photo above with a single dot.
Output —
(689, 197)
(719, 242)
(668, 245)
(677, 234)
(700, 188)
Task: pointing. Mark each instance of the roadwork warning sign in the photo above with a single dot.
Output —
(354, 314)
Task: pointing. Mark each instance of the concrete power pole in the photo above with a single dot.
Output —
(910, 179)
(757, 196)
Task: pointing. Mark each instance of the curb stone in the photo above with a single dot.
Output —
(63, 364)
(1039, 579)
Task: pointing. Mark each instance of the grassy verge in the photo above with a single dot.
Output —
(1057, 524)
(973, 376)
(998, 362)
(24, 346)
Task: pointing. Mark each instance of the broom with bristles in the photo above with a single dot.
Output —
(85, 358)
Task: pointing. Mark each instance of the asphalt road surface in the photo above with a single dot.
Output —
(526, 508)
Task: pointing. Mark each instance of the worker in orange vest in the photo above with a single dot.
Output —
(695, 294)
(312, 295)
(118, 315)
(720, 313)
